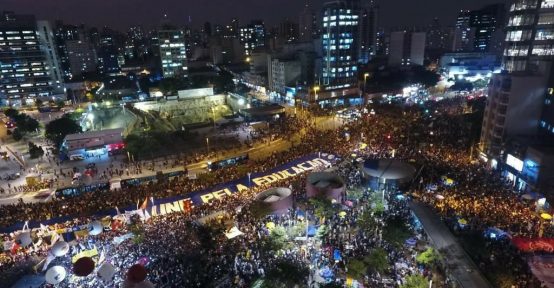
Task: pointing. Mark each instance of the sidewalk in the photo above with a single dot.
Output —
(458, 263)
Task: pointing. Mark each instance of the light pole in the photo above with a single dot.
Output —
(213, 115)
(208, 144)
(316, 88)
(90, 117)
(366, 75)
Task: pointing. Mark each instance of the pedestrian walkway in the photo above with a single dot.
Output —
(458, 263)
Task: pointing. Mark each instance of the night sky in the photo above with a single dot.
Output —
(121, 14)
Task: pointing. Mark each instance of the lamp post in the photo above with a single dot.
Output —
(213, 115)
(208, 144)
(90, 117)
(366, 75)
(316, 88)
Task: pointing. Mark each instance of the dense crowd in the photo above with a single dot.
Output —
(436, 138)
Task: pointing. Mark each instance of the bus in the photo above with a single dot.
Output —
(74, 191)
(234, 161)
(147, 179)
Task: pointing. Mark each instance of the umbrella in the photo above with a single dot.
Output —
(270, 225)
(106, 271)
(462, 221)
(55, 275)
(342, 214)
(83, 266)
(60, 248)
(546, 216)
(95, 228)
(24, 239)
(137, 273)
(440, 197)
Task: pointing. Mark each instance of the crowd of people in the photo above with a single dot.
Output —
(436, 138)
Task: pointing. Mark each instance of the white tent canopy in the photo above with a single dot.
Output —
(55, 275)
(60, 248)
(95, 228)
(106, 272)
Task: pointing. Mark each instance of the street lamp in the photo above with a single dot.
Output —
(213, 115)
(90, 117)
(316, 88)
(366, 75)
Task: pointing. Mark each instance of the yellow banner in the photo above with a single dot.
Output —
(86, 253)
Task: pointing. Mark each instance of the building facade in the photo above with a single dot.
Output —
(406, 48)
(283, 73)
(173, 53)
(480, 30)
(28, 62)
(519, 114)
(252, 36)
(368, 32)
(340, 43)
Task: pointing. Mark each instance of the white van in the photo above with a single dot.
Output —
(76, 157)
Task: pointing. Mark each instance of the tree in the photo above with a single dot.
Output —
(357, 268)
(286, 273)
(10, 112)
(35, 151)
(17, 135)
(26, 123)
(322, 231)
(57, 129)
(366, 221)
(259, 209)
(60, 103)
(38, 103)
(378, 260)
(396, 232)
(323, 207)
(415, 281)
(428, 257)
(278, 238)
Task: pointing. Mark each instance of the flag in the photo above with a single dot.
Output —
(14, 247)
(144, 204)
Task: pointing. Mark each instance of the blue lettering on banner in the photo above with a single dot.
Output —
(216, 193)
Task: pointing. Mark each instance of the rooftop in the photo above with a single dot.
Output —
(92, 134)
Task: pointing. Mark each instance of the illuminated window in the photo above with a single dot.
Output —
(544, 34)
(546, 18)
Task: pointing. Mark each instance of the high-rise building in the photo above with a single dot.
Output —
(108, 53)
(368, 32)
(77, 54)
(173, 52)
(406, 48)
(439, 37)
(288, 31)
(479, 30)
(28, 62)
(519, 113)
(48, 47)
(81, 57)
(252, 36)
(340, 43)
(64, 33)
(308, 29)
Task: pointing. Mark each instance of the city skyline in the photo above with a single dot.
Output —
(150, 14)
